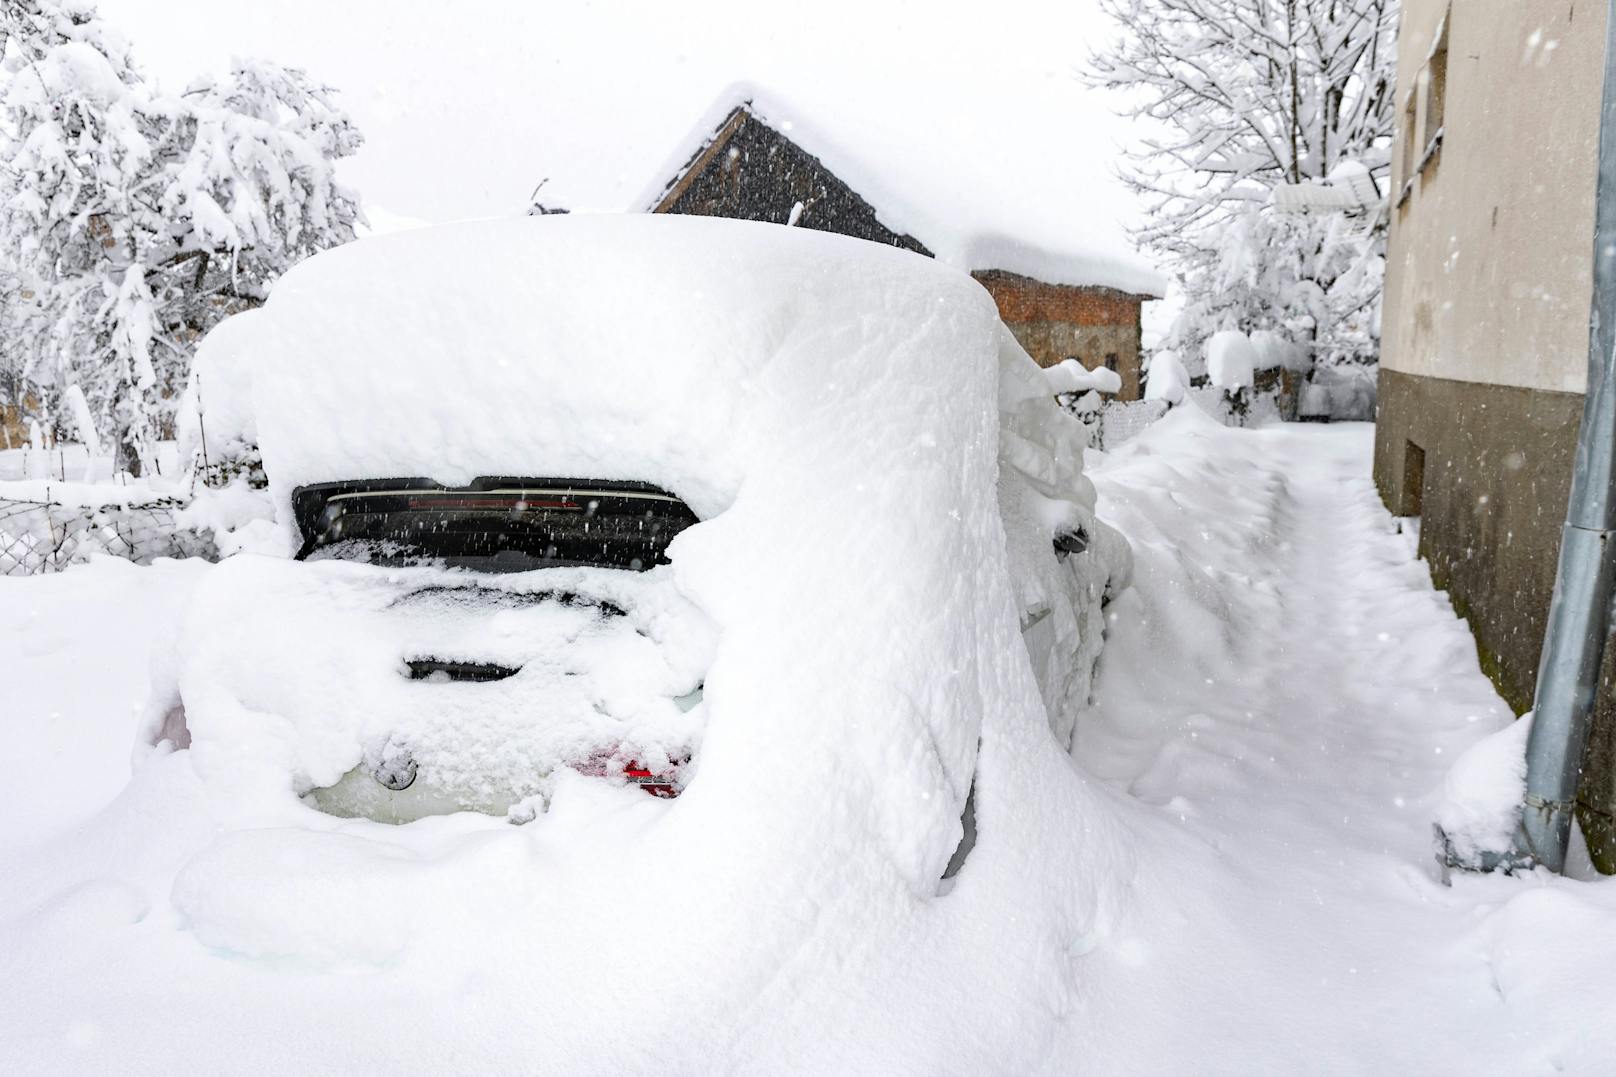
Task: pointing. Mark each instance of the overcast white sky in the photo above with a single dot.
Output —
(466, 106)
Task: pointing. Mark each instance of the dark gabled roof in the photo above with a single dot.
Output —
(749, 170)
(741, 114)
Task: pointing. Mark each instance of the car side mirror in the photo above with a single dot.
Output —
(1069, 542)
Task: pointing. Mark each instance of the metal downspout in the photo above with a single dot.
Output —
(1579, 615)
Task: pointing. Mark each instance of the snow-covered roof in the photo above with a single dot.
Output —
(967, 212)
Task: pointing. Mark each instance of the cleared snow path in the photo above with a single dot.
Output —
(1282, 695)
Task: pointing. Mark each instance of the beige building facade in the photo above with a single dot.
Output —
(1485, 322)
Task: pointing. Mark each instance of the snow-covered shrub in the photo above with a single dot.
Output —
(1274, 352)
(1071, 376)
(1231, 361)
(1167, 379)
(1078, 390)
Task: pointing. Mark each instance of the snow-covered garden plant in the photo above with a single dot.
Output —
(1242, 97)
(144, 219)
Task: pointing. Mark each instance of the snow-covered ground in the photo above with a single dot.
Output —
(1281, 694)
(1284, 689)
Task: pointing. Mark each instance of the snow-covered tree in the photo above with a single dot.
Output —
(143, 219)
(1240, 98)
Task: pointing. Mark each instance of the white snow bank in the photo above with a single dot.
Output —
(1071, 376)
(1231, 361)
(1167, 379)
(1483, 792)
(1282, 693)
(380, 221)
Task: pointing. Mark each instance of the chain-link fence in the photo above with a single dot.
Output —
(1112, 423)
(47, 536)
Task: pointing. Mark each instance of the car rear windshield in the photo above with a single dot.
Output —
(493, 525)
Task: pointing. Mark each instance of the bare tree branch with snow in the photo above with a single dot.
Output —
(1240, 98)
(141, 220)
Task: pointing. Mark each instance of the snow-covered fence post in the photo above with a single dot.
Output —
(1079, 390)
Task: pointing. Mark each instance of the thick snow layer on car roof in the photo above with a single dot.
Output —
(679, 351)
(973, 214)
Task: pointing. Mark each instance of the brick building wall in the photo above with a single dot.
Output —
(1097, 326)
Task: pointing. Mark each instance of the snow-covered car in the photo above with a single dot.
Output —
(639, 502)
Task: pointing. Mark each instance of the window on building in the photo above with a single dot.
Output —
(1409, 149)
(1435, 85)
(1424, 114)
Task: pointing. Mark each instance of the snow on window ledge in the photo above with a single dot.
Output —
(1432, 150)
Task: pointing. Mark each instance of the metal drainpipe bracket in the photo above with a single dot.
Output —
(1508, 862)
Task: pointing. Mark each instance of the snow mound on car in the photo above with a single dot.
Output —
(832, 409)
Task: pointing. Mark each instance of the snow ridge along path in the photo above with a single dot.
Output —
(1283, 692)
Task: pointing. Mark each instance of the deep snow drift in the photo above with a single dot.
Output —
(1279, 701)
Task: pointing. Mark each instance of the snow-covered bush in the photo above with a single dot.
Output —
(1082, 393)
(1231, 361)
(1167, 379)
(1241, 97)
(1071, 376)
(1274, 352)
(138, 220)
